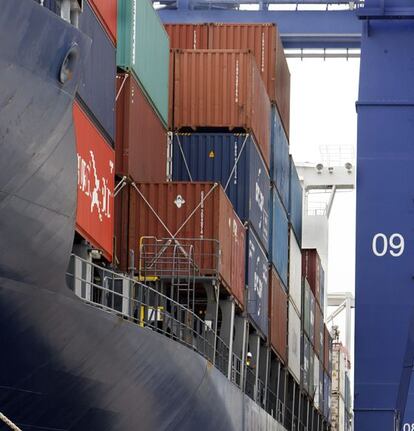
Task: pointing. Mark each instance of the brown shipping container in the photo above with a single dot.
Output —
(264, 42)
(141, 139)
(187, 36)
(278, 315)
(202, 214)
(220, 89)
(311, 270)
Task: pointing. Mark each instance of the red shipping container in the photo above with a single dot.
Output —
(264, 42)
(220, 89)
(311, 264)
(94, 216)
(278, 315)
(187, 36)
(141, 139)
(327, 348)
(198, 215)
(106, 11)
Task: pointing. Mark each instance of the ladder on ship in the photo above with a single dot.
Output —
(183, 276)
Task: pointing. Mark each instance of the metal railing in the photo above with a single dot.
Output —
(168, 257)
(147, 308)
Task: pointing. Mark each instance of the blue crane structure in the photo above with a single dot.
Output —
(384, 30)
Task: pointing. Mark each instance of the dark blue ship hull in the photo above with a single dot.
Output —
(65, 365)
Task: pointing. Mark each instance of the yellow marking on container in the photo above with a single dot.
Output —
(211, 154)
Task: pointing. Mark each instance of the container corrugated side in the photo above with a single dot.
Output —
(141, 138)
(143, 48)
(97, 87)
(257, 277)
(278, 316)
(317, 331)
(294, 342)
(295, 202)
(220, 89)
(311, 270)
(279, 237)
(308, 311)
(233, 160)
(107, 12)
(327, 357)
(321, 387)
(198, 212)
(187, 36)
(316, 383)
(282, 86)
(96, 178)
(305, 358)
(311, 371)
(264, 42)
(327, 386)
(322, 287)
(295, 272)
(338, 413)
(305, 306)
(280, 161)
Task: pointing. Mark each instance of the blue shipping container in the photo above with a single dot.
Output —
(234, 161)
(257, 282)
(326, 395)
(295, 202)
(97, 87)
(279, 237)
(280, 162)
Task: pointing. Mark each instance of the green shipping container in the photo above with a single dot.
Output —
(143, 48)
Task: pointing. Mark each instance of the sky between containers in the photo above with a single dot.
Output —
(323, 96)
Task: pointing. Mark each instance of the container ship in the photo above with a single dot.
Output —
(151, 269)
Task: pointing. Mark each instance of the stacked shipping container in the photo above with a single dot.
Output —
(94, 119)
(315, 332)
(228, 111)
(141, 117)
(241, 163)
(341, 408)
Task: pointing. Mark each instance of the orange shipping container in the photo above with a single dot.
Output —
(200, 217)
(262, 40)
(278, 315)
(220, 89)
(141, 139)
(106, 10)
(94, 216)
(187, 36)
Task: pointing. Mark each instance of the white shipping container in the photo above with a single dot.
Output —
(316, 384)
(295, 272)
(337, 413)
(339, 368)
(294, 342)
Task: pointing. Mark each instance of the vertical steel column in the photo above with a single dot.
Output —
(254, 344)
(384, 322)
(227, 329)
